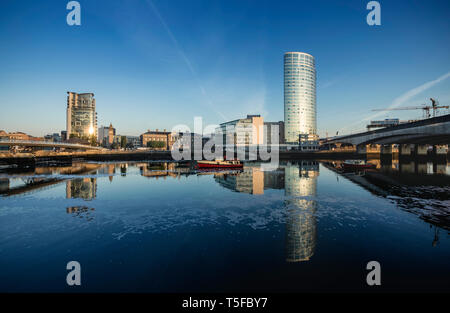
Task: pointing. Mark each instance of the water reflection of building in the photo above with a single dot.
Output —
(300, 190)
(157, 169)
(109, 169)
(250, 180)
(81, 211)
(4, 184)
(85, 188)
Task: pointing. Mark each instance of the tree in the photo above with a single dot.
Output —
(93, 140)
(123, 142)
(156, 144)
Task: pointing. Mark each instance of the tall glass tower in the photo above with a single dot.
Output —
(81, 115)
(299, 98)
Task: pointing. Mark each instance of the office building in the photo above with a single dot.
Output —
(55, 137)
(106, 135)
(81, 115)
(243, 132)
(300, 99)
(133, 142)
(274, 127)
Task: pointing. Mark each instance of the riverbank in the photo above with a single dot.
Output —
(53, 158)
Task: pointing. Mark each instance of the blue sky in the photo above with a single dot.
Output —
(156, 64)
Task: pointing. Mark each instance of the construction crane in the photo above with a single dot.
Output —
(426, 108)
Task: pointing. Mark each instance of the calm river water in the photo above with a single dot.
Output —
(160, 227)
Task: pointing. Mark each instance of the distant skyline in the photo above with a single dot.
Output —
(156, 64)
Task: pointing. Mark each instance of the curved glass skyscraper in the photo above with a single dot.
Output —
(299, 98)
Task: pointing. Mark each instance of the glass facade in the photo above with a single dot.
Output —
(299, 96)
(81, 114)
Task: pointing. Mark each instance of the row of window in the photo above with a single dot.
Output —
(290, 57)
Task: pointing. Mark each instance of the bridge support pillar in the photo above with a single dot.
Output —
(407, 167)
(440, 149)
(421, 149)
(440, 168)
(373, 148)
(386, 149)
(361, 149)
(422, 168)
(405, 149)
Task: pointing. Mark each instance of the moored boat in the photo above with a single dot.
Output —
(357, 164)
(220, 164)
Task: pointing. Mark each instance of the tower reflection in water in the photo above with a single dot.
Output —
(300, 183)
(84, 188)
(300, 190)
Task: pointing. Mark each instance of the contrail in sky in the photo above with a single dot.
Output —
(399, 101)
(184, 57)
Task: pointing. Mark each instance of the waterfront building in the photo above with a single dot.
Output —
(55, 137)
(243, 132)
(63, 135)
(187, 140)
(157, 139)
(81, 115)
(300, 99)
(106, 135)
(133, 141)
(18, 136)
(3, 134)
(269, 127)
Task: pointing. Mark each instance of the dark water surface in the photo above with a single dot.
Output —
(157, 227)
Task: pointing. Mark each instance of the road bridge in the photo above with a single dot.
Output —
(431, 131)
(47, 144)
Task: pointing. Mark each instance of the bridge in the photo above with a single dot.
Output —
(431, 131)
(47, 144)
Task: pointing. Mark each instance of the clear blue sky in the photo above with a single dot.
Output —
(155, 64)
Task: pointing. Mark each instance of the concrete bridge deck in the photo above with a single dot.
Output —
(47, 144)
(432, 131)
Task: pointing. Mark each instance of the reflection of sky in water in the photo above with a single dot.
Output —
(316, 217)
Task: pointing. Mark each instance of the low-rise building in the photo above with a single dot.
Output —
(64, 135)
(133, 142)
(18, 136)
(308, 142)
(157, 139)
(55, 137)
(188, 140)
